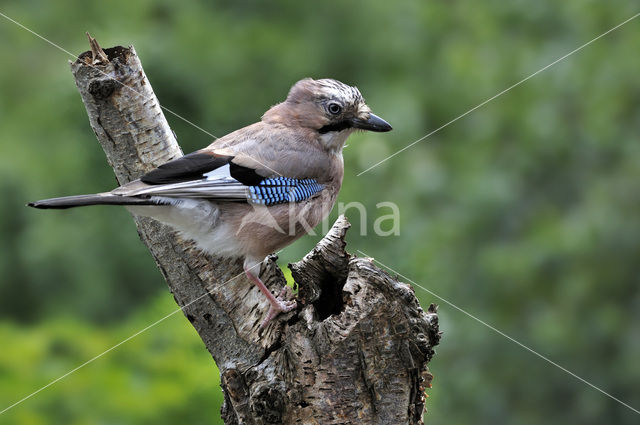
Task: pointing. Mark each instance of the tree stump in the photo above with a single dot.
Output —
(355, 351)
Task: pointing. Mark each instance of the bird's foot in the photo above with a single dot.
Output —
(279, 304)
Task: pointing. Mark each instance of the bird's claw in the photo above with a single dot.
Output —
(281, 305)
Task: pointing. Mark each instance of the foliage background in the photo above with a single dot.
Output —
(524, 212)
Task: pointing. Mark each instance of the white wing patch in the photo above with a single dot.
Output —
(223, 172)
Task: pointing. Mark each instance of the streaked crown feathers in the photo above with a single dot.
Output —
(324, 89)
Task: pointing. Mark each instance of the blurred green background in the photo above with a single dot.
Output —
(526, 212)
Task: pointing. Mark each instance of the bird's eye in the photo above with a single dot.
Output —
(334, 108)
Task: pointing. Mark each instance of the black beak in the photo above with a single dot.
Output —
(374, 123)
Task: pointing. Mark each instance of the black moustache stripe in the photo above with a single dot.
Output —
(338, 126)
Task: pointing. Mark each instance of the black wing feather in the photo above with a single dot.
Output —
(195, 165)
(190, 167)
(245, 175)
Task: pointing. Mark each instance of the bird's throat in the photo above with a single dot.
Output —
(333, 141)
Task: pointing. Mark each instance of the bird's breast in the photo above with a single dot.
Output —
(261, 230)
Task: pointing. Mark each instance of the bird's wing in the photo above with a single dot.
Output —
(217, 175)
(277, 150)
(205, 164)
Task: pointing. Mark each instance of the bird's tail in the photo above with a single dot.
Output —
(94, 199)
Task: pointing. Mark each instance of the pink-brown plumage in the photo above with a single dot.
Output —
(205, 195)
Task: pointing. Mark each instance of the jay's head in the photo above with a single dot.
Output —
(331, 108)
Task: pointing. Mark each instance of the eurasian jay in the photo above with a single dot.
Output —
(257, 189)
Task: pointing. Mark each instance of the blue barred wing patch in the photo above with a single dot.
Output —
(280, 190)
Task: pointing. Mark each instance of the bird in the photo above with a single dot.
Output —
(255, 190)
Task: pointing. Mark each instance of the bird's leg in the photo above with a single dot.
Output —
(278, 304)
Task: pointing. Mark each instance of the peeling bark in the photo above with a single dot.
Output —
(357, 348)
